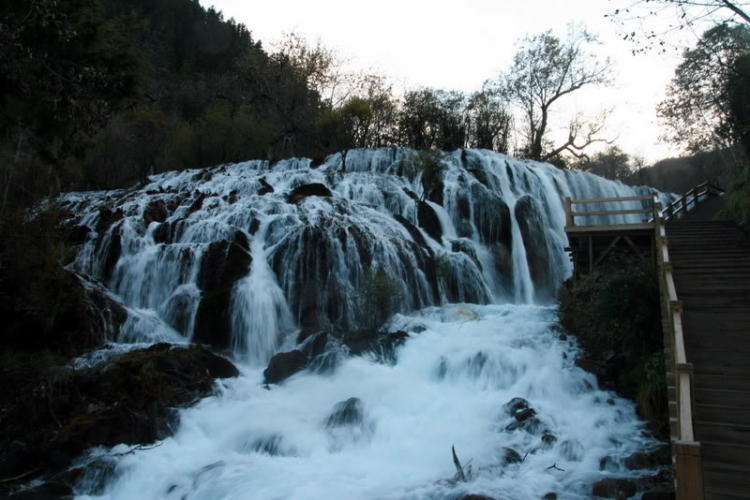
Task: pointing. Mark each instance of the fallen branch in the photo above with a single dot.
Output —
(459, 470)
(140, 447)
(524, 456)
(554, 466)
(12, 479)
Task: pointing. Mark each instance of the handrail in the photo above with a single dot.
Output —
(570, 215)
(688, 460)
(683, 202)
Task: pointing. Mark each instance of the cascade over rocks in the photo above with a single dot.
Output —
(130, 400)
(222, 265)
(300, 193)
(531, 222)
(429, 220)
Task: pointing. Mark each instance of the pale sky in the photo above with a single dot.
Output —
(458, 45)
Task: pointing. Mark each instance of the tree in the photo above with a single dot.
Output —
(488, 119)
(345, 128)
(706, 104)
(652, 24)
(432, 118)
(546, 69)
(612, 163)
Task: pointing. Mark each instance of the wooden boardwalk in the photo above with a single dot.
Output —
(704, 276)
(711, 266)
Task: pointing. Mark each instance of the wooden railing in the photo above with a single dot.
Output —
(689, 200)
(687, 452)
(570, 215)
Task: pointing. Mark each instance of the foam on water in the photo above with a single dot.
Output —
(447, 387)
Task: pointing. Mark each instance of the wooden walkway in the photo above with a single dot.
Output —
(711, 265)
(704, 275)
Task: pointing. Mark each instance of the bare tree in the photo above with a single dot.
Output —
(654, 24)
(546, 69)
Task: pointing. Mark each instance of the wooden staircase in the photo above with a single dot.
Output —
(711, 267)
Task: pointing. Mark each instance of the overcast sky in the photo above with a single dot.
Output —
(458, 45)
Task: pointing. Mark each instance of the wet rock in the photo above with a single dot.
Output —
(429, 221)
(659, 494)
(345, 413)
(609, 464)
(572, 450)
(111, 246)
(532, 425)
(477, 497)
(283, 365)
(510, 456)
(300, 193)
(197, 203)
(515, 405)
(130, 400)
(156, 211)
(266, 188)
(523, 415)
(612, 487)
(222, 265)
(491, 217)
(548, 441)
(532, 225)
(651, 460)
(108, 217)
(415, 234)
(381, 344)
(550, 496)
(465, 246)
(78, 234)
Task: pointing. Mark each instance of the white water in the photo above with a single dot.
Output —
(309, 259)
(447, 388)
(449, 382)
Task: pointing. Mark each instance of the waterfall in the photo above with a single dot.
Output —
(223, 256)
(245, 256)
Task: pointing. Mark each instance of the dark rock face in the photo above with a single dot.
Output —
(130, 400)
(412, 229)
(156, 211)
(510, 456)
(265, 187)
(300, 193)
(380, 344)
(112, 248)
(659, 494)
(639, 461)
(612, 487)
(345, 413)
(466, 247)
(285, 364)
(223, 264)
(476, 497)
(532, 226)
(515, 405)
(491, 217)
(429, 220)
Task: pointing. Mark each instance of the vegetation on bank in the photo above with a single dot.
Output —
(615, 314)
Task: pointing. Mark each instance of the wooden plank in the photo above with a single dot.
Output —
(605, 200)
(688, 470)
(611, 212)
(635, 226)
(568, 218)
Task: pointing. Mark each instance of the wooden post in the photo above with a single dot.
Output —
(568, 212)
(688, 469)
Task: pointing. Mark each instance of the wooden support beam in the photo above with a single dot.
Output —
(607, 250)
(688, 468)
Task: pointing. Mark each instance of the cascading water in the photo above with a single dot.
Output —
(243, 256)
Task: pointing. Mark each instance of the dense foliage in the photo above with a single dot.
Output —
(614, 312)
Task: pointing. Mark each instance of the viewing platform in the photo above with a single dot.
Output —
(704, 276)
